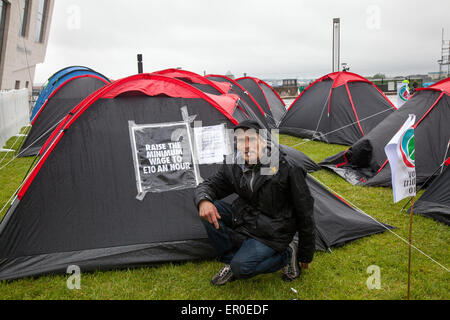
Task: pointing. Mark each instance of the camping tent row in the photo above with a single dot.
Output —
(80, 204)
(237, 89)
(65, 89)
(264, 102)
(365, 162)
(435, 202)
(209, 86)
(339, 108)
(69, 86)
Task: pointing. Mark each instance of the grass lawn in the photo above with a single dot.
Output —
(341, 274)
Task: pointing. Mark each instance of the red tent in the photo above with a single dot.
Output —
(339, 108)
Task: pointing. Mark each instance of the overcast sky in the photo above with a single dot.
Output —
(267, 39)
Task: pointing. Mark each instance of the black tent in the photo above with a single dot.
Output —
(63, 99)
(337, 222)
(338, 108)
(79, 206)
(435, 202)
(210, 86)
(300, 158)
(240, 91)
(267, 98)
(365, 163)
(56, 80)
(195, 80)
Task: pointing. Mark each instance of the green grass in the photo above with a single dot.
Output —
(341, 274)
(12, 175)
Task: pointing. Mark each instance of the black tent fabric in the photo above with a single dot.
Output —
(338, 108)
(300, 158)
(210, 86)
(62, 100)
(337, 222)
(79, 205)
(435, 202)
(240, 91)
(272, 105)
(365, 163)
(194, 80)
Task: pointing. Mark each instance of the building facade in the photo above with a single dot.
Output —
(24, 30)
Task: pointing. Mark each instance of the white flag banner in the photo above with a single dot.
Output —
(401, 155)
(402, 94)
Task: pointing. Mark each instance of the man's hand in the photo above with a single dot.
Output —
(208, 212)
(304, 265)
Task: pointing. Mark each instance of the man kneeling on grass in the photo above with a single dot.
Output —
(254, 235)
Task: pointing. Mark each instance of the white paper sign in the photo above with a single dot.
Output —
(212, 144)
(402, 94)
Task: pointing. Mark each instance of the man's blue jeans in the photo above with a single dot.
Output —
(252, 258)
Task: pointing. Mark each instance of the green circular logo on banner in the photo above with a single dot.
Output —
(408, 148)
(403, 94)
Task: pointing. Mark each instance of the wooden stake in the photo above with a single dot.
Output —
(410, 243)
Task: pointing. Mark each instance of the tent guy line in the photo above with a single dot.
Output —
(64, 93)
(342, 128)
(321, 115)
(348, 97)
(11, 149)
(13, 195)
(50, 193)
(446, 156)
(365, 163)
(29, 171)
(440, 169)
(18, 155)
(398, 236)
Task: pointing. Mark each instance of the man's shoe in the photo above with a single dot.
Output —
(223, 276)
(292, 270)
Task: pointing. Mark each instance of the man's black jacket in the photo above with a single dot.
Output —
(271, 208)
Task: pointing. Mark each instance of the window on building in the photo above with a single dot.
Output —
(41, 19)
(25, 13)
(27, 84)
(2, 24)
(17, 86)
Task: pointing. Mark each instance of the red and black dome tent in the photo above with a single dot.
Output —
(365, 163)
(267, 98)
(79, 202)
(78, 205)
(207, 85)
(338, 108)
(63, 99)
(237, 89)
(435, 202)
(202, 83)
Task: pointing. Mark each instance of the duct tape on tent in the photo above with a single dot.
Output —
(164, 156)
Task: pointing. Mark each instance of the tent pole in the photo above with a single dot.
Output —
(445, 157)
(410, 242)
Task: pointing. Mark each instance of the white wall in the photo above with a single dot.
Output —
(14, 113)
